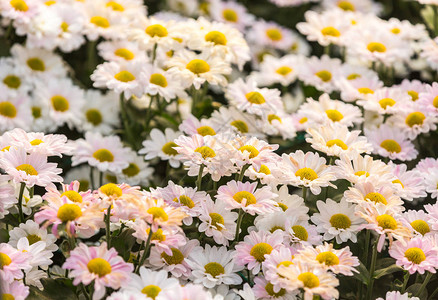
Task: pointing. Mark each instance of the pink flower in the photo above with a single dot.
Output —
(417, 255)
(15, 290)
(100, 265)
(12, 262)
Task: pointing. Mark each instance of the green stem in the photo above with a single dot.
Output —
(242, 172)
(199, 180)
(20, 203)
(239, 223)
(367, 247)
(91, 56)
(145, 252)
(149, 114)
(125, 120)
(425, 282)
(107, 220)
(431, 297)
(435, 19)
(304, 193)
(154, 52)
(100, 179)
(405, 281)
(372, 269)
(92, 178)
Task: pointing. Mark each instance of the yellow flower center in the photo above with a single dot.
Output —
(94, 116)
(272, 117)
(151, 291)
(259, 250)
(415, 118)
(36, 64)
(69, 212)
(285, 263)
(303, 120)
(124, 53)
(60, 103)
(33, 238)
(8, 297)
(338, 143)
(50, 2)
(19, 5)
(283, 206)
(28, 169)
(361, 173)
(100, 21)
(391, 146)
(115, 6)
(198, 66)
(6, 148)
(274, 34)
(72, 196)
(269, 288)
(103, 155)
(124, 76)
(353, 76)
(253, 152)
(175, 259)
(36, 142)
(217, 219)
(157, 235)
(264, 169)
(376, 47)
(240, 125)
(306, 173)
(214, 269)
(376, 198)
(255, 98)
(385, 102)
(274, 228)
(111, 189)
(99, 266)
(36, 111)
(340, 221)
(413, 94)
(168, 148)
(284, 70)
(8, 110)
(386, 222)
(5, 260)
(309, 280)
(216, 37)
(300, 232)
(12, 81)
(64, 26)
(185, 200)
(324, 75)
(415, 255)
(421, 226)
(158, 213)
(131, 170)
(435, 102)
(330, 31)
(206, 152)
(334, 115)
(157, 30)
(346, 5)
(206, 130)
(250, 198)
(230, 15)
(328, 258)
(158, 79)
(399, 182)
(365, 90)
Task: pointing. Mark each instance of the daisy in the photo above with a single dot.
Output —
(137, 172)
(283, 70)
(282, 256)
(253, 151)
(33, 233)
(72, 192)
(326, 111)
(291, 203)
(337, 220)
(162, 145)
(396, 295)
(391, 142)
(264, 173)
(432, 210)
(7, 195)
(425, 164)
(246, 96)
(100, 22)
(22, 11)
(155, 285)
(152, 31)
(196, 69)
(271, 35)
(38, 255)
(70, 37)
(13, 79)
(159, 214)
(320, 72)
(271, 222)
(385, 101)
(120, 77)
(360, 88)
(263, 289)
(15, 112)
(104, 153)
(99, 265)
(127, 295)
(31, 169)
(230, 118)
(314, 281)
(299, 232)
(335, 139)
(217, 221)
(230, 12)
(431, 182)
(413, 88)
(192, 125)
(120, 51)
(366, 6)
(15, 290)
(417, 255)
(409, 184)
(213, 266)
(248, 197)
(13, 262)
(252, 250)
(419, 221)
(306, 170)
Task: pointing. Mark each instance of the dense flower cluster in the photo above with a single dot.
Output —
(199, 151)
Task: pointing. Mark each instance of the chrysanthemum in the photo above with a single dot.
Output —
(417, 255)
(15, 290)
(33, 233)
(432, 210)
(337, 220)
(391, 142)
(38, 255)
(15, 112)
(100, 22)
(263, 173)
(248, 197)
(104, 153)
(195, 69)
(359, 88)
(13, 79)
(299, 232)
(31, 169)
(191, 125)
(162, 145)
(152, 31)
(230, 118)
(271, 34)
(264, 289)
(217, 221)
(230, 12)
(431, 182)
(120, 51)
(283, 70)
(385, 100)
(253, 151)
(409, 185)
(420, 222)
(137, 172)
(282, 256)
(13, 262)
(308, 170)
(396, 295)
(99, 265)
(413, 88)
(326, 111)
(321, 73)
(70, 37)
(158, 213)
(360, 6)
(314, 281)
(213, 266)
(252, 250)
(7, 195)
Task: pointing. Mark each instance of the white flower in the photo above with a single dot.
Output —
(162, 145)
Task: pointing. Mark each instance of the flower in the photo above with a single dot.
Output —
(270, 34)
(263, 289)
(320, 73)
(282, 256)
(15, 290)
(337, 220)
(420, 222)
(162, 145)
(396, 295)
(409, 184)
(31, 169)
(12, 262)
(99, 265)
(283, 70)
(33, 233)
(417, 255)
(213, 266)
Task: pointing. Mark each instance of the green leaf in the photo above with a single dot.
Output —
(386, 271)
(54, 289)
(414, 289)
(363, 275)
(428, 15)
(124, 243)
(4, 236)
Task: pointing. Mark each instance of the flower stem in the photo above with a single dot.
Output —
(239, 223)
(107, 220)
(199, 180)
(92, 178)
(304, 193)
(242, 172)
(145, 252)
(405, 281)
(20, 203)
(100, 179)
(425, 282)
(372, 269)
